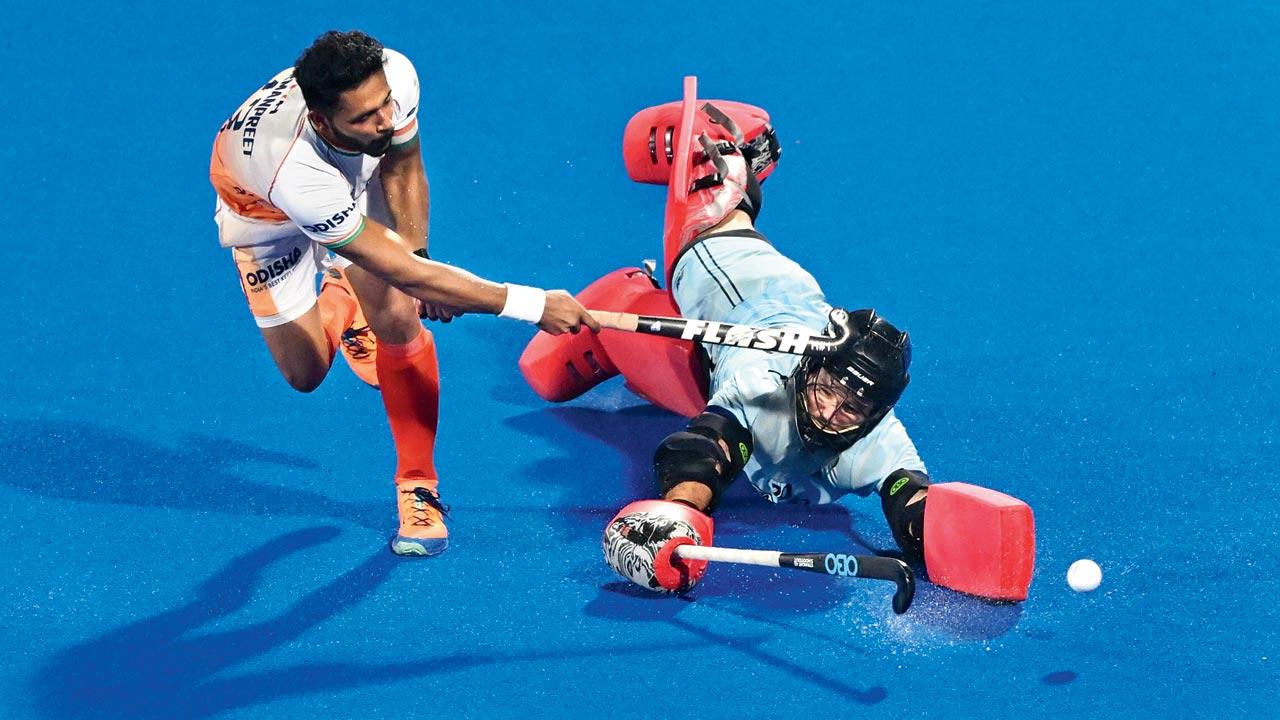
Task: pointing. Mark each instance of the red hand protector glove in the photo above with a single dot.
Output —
(640, 543)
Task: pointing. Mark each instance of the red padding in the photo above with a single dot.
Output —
(678, 188)
(979, 541)
(665, 371)
(562, 367)
(674, 572)
(649, 140)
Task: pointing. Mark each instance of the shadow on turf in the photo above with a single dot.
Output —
(1059, 677)
(163, 666)
(629, 433)
(96, 464)
(624, 601)
(172, 666)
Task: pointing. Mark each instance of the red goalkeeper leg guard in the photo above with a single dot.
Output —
(562, 367)
(711, 154)
(649, 140)
(667, 372)
(664, 371)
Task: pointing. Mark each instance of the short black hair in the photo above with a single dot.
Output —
(335, 63)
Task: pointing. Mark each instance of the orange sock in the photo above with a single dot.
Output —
(337, 312)
(409, 378)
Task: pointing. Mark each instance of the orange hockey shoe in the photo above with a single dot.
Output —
(422, 530)
(359, 346)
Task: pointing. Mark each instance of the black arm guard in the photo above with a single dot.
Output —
(907, 523)
(694, 454)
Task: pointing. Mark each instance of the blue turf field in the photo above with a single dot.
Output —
(1072, 207)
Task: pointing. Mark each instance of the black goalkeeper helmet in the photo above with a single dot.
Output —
(841, 397)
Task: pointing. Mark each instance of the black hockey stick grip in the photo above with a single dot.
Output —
(792, 340)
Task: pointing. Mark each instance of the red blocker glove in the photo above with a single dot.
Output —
(640, 542)
(979, 541)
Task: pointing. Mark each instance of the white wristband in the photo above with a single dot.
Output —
(524, 303)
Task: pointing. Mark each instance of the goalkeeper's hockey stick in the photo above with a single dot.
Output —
(840, 564)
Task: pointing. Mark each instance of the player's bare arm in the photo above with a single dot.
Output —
(404, 180)
(380, 251)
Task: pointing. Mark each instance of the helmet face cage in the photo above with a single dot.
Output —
(840, 398)
(833, 406)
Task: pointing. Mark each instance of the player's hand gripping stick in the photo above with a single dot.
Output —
(863, 566)
(793, 340)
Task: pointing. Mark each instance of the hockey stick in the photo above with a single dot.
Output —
(793, 340)
(863, 566)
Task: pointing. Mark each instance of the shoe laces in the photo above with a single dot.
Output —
(422, 499)
(358, 342)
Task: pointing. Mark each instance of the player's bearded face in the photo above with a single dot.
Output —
(363, 121)
(375, 146)
(834, 407)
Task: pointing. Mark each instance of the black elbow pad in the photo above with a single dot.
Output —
(694, 454)
(906, 522)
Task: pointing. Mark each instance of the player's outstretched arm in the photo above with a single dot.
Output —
(382, 252)
(693, 466)
(902, 498)
(696, 464)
